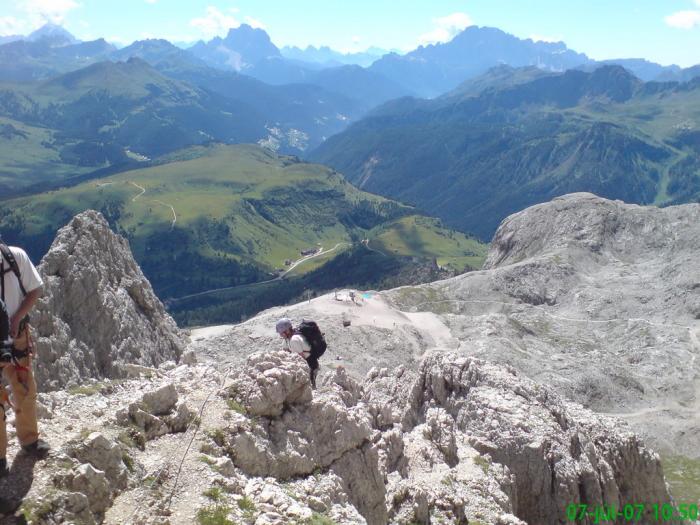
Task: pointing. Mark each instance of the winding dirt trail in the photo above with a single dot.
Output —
(172, 224)
(143, 190)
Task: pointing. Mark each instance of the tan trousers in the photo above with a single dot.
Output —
(24, 403)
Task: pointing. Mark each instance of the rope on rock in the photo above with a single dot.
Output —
(196, 422)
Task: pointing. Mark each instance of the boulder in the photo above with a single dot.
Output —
(271, 382)
(104, 455)
(160, 401)
(94, 484)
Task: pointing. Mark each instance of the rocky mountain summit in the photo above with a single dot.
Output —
(98, 314)
(455, 402)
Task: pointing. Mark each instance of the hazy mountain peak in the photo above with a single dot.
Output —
(54, 34)
(243, 47)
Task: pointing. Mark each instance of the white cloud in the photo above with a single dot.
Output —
(42, 11)
(9, 25)
(446, 28)
(254, 23)
(683, 19)
(215, 22)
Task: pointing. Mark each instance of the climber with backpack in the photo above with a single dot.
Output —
(306, 340)
(20, 288)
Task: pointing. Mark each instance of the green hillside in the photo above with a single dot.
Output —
(474, 157)
(221, 216)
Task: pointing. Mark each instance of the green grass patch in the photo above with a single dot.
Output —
(128, 461)
(215, 494)
(85, 390)
(218, 436)
(234, 405)
(214, 515)
(206, 459)
(448, 480)
(683, 477)
(246, 504)
(417, 236)
(483, 463)
(37, 510)
(319, 519)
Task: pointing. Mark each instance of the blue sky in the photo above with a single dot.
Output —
(665, 31)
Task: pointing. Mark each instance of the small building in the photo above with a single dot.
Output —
(308, 251)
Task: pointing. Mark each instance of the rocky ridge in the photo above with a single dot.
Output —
(457, 441)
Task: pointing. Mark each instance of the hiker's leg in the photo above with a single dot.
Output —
(313, 369)
(3, 433)
(24, 394)
(3, 422)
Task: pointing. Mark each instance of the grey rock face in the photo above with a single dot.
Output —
(298, 434)
(459, 440)
(93, 483)
(98, 311)
(104, 455)
(271, 382)
(542, 452)
(161, 401)
(157, 413)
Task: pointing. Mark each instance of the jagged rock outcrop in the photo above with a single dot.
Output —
(458, 440)
(296, 434)
(94, 484)
(98, 311)
(104, 455)
(543, 452)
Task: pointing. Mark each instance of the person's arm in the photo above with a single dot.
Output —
(27, 304)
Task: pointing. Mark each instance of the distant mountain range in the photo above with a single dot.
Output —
(76, 107)
(115, 113)
(516, 137)
(328, 57)
(427, 71)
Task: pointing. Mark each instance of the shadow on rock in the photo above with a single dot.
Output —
(15, 486)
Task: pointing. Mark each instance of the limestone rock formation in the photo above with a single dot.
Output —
(543, 452)
(297, 434)
(98, 311)
(458, 440)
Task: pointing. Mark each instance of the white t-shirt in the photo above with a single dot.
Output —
(30, 279)
(298, 344)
